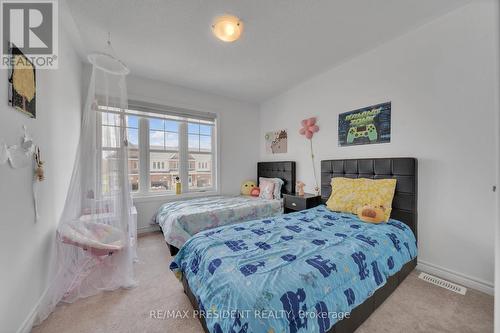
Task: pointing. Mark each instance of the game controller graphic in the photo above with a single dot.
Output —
(368, 131)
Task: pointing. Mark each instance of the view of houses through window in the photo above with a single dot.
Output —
(165, 168)
(199, 155)
(133, 152)
(164, 151)
(163, 154)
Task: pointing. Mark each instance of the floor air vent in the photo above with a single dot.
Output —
(443, 283)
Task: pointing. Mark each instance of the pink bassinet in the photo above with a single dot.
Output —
(98, 239)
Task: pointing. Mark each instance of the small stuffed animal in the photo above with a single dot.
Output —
(372, 214)
(255, 192)
(247, 187)
(300, 188)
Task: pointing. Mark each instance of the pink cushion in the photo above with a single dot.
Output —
(266, 190)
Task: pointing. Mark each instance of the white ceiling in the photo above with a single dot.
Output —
(284, 42)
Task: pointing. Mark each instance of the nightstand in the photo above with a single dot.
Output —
(295, 202)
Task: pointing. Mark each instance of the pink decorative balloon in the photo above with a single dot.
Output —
(309, 127)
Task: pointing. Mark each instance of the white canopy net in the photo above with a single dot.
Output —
(96, 236)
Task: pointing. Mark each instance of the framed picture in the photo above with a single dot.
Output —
(22, 84)
(368, 125)
(277, 142)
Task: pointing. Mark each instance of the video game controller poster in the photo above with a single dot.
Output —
(368, 125)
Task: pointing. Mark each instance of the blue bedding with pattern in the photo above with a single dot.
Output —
(300, 272)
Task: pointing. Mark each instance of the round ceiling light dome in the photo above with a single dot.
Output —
(227, 28)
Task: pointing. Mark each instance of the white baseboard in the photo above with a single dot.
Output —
(467, 281)
(151, 228)
(27, 324)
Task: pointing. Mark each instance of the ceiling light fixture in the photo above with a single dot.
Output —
(227, 28)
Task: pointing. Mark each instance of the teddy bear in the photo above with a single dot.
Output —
(372, 213)
(300, 188)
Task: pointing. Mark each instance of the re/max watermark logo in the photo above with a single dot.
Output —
(246, 314)
(30, 29)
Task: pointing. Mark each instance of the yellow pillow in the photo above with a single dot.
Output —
(348, 195)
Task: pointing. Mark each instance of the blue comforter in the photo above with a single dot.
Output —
(300, 272)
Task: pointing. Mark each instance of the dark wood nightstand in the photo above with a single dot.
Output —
(295, 202)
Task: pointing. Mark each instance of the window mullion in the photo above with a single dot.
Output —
(183, 156)
(144, 178)
(215, 157)
(99, 155)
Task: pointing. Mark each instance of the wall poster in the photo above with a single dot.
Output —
(368, 125)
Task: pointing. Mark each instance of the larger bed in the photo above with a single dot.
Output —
(304, 272)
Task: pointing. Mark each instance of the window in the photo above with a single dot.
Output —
(163, 147)
(200, 150)
(110, 141)
(173, 165)
(172, 145)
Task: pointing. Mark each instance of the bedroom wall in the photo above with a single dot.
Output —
(497, 220)
(238, 135)
(27, 245)
(442, 79)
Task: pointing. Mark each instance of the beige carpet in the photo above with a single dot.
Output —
(416, 306)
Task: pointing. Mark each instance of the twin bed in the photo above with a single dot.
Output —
(309, 271)
(180, 220)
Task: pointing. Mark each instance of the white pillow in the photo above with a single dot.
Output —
(278, 182)
(267, 189)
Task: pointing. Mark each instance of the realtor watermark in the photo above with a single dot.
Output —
(245, 314)
(29, 33)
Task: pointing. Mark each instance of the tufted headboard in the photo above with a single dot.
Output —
(404, 169)
(283, 170)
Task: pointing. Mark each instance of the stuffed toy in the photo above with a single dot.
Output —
(255, 192)
(372, 214)
(247, 187)
(300, 188)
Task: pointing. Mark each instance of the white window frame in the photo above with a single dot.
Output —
(151, 111)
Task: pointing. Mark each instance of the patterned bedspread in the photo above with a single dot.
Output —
(300, 272)
(179, 220)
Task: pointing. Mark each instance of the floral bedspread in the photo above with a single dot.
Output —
(179, 220)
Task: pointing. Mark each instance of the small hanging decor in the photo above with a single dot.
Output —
(308, 129)
(39, 177)
(18, 156)
(21, 156)
(39, 173)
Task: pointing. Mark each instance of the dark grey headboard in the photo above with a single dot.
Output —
(404, 169)
(283, 170)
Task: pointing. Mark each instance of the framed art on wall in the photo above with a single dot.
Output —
(368, 125)
(277, 142)
(22, 84)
